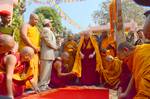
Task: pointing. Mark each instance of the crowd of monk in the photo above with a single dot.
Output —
(31, 63)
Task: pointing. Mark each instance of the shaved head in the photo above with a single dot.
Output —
(27, 50)
(124, 50)
(146, 28)
(33, 15)
(65, 55)
(7, 43)
(27, 53)
(86, 34)
(33, 19)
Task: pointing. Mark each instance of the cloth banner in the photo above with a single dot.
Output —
(116, 21)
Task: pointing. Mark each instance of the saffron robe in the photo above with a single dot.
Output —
(140, 69)
(34, 37)
(112, 70)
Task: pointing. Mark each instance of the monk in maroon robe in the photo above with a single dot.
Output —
(13, 67)
(88, 61)
(125, 79)
(60, 76)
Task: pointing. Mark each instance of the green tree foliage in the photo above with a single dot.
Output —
(101, 16)
(49, 13)
(130, 11)
(133, 11)
(17, 19)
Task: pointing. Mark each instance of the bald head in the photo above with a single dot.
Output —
(7, 43)
(65, 56)
(86, 34)
(124, 50)
(27, 50)
(33, 15)
(34, 19)
(146, 28)
(27, 53)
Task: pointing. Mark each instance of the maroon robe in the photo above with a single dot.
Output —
(57, 81)
(18, 86)
(124, 81)
(89, 74)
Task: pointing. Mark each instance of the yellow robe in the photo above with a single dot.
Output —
(34, 36)
(112, 73)
(105, 42)
(112, 70)
(77, 68)
(141, 71)
(70, 47)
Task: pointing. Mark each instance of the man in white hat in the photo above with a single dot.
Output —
(48, 46)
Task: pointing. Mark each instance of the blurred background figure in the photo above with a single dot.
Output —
(131, 38)
(59, 42)
(140, 37)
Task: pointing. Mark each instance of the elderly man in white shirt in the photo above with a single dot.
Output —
(48, 47)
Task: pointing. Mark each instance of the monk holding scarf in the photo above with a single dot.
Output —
(138, 60)
(88, 60)
(112, 69)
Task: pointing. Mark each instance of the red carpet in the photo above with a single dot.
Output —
(71, 93)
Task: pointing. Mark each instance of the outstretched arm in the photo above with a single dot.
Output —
(10, 62)
(58, 68)
(130, 85)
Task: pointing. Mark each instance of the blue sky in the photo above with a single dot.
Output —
(79, 11)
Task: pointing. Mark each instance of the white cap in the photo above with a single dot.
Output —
(46, 21)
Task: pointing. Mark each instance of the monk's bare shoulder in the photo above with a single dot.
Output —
(57, 64)
(24, 29)
(10, 59)
(25, 26)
